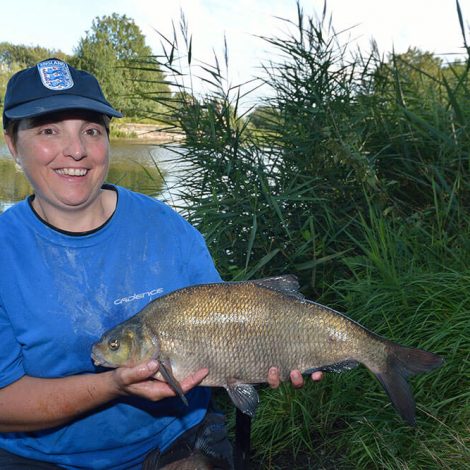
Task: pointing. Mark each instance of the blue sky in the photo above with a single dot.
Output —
(427, 24)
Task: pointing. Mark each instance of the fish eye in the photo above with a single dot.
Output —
(113, 344)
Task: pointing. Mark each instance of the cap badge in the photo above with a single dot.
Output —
(55, 75)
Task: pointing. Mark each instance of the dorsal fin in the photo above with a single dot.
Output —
(288, 284)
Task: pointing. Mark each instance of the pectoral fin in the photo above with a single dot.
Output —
(244, 397)
(166, 372)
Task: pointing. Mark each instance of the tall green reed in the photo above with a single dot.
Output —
(354, 175)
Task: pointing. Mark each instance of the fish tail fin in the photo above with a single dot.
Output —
(401, 363)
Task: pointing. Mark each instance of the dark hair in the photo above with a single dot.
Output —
(12, 130)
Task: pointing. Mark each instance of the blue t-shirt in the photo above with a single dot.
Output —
(59, 292)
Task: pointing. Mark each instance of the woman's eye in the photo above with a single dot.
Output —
(47, 131)
(93, 132)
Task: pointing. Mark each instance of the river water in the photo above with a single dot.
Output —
(141, 166)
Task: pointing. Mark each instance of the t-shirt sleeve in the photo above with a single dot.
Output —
(201, 268)
(11, 364)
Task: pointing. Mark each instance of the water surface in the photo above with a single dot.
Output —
(143, 167)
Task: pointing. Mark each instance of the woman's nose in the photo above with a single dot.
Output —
(75, 148)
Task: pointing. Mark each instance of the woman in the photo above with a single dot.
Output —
(78, 257)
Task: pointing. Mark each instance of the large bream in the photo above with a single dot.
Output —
(240, 329)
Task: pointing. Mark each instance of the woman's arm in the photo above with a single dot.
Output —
(32, 404)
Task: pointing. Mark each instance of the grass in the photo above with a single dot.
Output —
(346, 421)
(353, 175)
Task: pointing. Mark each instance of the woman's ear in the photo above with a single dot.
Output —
(11, 146)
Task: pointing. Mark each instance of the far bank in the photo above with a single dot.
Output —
(146, 132)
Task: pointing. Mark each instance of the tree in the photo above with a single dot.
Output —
(114, 50)
(265, 117)
(14, 57)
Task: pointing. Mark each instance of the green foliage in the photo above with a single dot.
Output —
(114, 50)
(423, 120)
(355, 176)
(265, 118)
(14, 57)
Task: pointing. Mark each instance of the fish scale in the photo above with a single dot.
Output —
(243, 333)
(238, 330)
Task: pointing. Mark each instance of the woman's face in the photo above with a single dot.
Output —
(65, 156)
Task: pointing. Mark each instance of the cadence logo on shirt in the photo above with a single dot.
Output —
(133, 297)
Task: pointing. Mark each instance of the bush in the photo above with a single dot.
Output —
(354, 175)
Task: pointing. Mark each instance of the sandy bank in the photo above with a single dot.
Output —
(148, 132)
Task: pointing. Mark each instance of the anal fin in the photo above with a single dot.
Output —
(337, 367)
(244, 397)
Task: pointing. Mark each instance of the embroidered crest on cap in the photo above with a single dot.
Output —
(55, 75)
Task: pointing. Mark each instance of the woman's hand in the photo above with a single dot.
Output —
(274, 379)
(139, 380)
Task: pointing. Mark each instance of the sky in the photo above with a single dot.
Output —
(430, 25)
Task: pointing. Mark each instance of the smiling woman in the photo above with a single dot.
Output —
(75, 246)
(78, 257)
(65, 156)
(57, 120)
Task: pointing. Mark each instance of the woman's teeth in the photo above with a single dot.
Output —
(72, 171)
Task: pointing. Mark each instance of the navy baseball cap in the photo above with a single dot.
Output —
(49, 86)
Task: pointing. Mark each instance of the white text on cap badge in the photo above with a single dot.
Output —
(55, 75)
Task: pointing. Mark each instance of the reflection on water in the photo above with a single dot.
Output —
(134, 165)
(13, 184)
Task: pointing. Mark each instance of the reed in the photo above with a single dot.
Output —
(353, 175)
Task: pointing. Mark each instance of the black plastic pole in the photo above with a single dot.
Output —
(242, 441)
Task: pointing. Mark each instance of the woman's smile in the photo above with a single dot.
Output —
(72, 171)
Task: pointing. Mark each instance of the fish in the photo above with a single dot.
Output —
(238, 330)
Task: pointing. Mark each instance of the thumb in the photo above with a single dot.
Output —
(140, 372)
(147, 369)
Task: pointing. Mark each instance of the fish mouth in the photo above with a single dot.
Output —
(99, 361)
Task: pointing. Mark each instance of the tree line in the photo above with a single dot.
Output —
(136, 82)
(114, 50)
